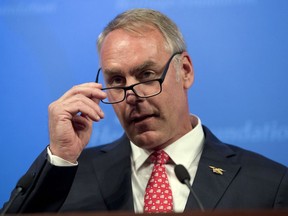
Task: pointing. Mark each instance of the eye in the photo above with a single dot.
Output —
(115, 81)
(147, 75)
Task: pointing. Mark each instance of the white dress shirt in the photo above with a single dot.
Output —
(186, 151)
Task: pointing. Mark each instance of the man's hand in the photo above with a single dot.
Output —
(71, 118)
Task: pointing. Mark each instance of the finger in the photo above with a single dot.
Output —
(82, 122)
(81, 104)
(70, 107)
(91, 90)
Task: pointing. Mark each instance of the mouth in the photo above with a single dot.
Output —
(140, 118)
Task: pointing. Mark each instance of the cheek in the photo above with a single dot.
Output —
(174, 101)
(119, 110)
(173, 92)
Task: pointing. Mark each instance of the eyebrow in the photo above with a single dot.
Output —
(132, 71)
(143, 66)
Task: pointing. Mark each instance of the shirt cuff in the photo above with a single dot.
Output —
(58, 161)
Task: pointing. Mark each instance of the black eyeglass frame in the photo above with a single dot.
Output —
(131, 87)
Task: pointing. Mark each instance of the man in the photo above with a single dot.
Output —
(147, 73)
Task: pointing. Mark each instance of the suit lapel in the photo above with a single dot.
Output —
(113, 171)
(208, 185)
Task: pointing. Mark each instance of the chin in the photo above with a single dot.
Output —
(147, 140)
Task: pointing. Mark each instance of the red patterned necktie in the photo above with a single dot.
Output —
(158, 196)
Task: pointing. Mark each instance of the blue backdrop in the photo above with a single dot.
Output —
(239, 50)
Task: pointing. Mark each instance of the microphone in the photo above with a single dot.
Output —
(21, 188)
(184, 177)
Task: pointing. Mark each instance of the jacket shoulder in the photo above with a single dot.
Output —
(236, 154)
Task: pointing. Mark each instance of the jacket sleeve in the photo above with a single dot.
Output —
(281, 201)
(46, 190)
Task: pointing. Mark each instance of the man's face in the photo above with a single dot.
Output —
(155, 122)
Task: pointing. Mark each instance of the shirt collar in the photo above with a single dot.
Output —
(184, 153)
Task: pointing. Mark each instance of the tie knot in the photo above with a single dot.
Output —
(159, 157)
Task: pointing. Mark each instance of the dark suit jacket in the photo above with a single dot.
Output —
(102, 181)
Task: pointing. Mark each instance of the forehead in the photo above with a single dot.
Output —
(121, 48)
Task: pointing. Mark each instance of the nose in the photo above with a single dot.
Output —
(131, 97)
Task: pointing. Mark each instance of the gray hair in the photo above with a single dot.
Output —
(134, 20)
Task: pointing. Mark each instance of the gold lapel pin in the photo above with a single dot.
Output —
(216, 170)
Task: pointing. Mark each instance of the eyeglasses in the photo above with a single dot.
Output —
(144, 89)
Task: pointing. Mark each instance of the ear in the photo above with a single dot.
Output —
(187, 71)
